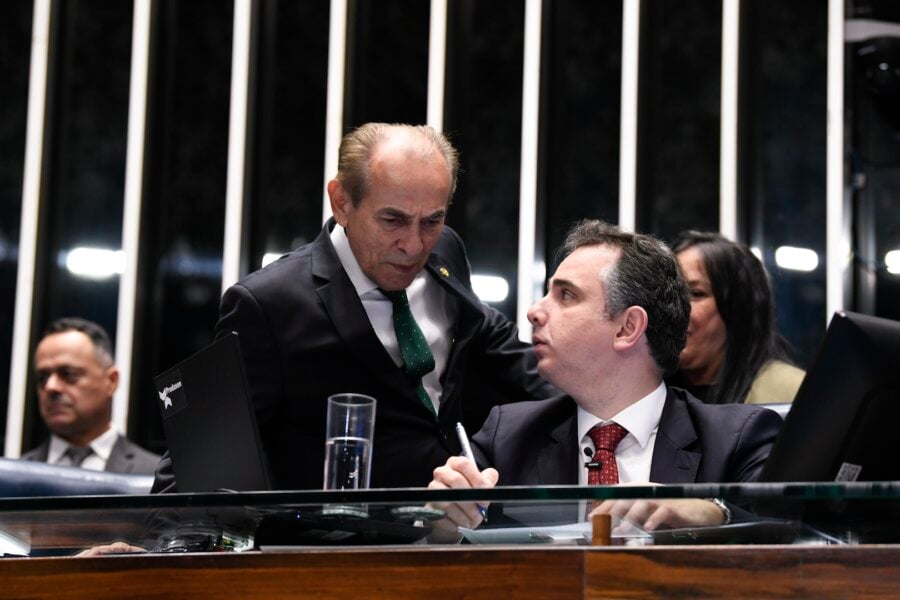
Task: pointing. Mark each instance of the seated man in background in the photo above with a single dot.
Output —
(611, 325)
(76, 378)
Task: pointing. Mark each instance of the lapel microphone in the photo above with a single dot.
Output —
(592, 464)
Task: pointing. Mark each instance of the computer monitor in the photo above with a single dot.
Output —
(843, 425)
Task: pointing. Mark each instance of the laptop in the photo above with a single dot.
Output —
(214, 444)
(209, 421)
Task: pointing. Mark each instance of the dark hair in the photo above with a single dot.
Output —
(745, 302)
(645, 275)
(357, 146)
(98, 336)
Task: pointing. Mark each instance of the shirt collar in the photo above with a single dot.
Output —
(360, 281)
(640, 418)
(101, 445)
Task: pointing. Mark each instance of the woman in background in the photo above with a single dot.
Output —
(734, 352)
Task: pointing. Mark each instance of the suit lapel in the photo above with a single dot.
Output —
(672, 462)
(555, 462)
(40, 453)
(349, 317)
(121, 460)
(468, 319)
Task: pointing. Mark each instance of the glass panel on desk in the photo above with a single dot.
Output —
(820, 514)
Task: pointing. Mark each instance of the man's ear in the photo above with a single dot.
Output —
(632, 325)
(112, 379)
(340, 201)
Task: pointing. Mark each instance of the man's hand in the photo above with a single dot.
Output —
(459, 472)
(114, 548)
(650, 515)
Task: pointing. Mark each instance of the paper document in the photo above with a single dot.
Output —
(573, 533)
(11, 545)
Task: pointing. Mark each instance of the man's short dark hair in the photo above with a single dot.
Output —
(97, 334)
(645, 275)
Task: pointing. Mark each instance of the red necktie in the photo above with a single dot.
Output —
(602, 469)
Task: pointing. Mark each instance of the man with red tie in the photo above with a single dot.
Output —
(611, 326)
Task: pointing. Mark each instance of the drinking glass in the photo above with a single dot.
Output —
(348, 441)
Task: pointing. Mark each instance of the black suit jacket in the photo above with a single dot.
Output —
(305, 335)
(125, 457)
(536, 443)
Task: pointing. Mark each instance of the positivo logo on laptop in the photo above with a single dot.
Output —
(171, 395)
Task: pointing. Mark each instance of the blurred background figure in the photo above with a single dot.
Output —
(734, 352)
(76, 378)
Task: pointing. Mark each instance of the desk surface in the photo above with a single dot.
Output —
(855, 513)
(442, 572)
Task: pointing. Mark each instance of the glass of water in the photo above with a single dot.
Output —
(348, 441)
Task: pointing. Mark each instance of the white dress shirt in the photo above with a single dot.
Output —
(634, 453)
(430, 305)
(102, 447)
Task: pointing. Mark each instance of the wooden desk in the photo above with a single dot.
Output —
(457, 572)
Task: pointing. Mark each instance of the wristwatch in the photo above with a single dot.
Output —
(726, 512)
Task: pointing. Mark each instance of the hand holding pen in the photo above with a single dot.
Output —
(467, 452)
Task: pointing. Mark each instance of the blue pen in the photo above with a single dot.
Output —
(467, 452)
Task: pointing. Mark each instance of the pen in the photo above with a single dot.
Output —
(467, 452)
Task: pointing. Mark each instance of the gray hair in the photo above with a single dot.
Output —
(357, 147)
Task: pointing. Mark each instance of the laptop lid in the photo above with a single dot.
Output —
(209, 421)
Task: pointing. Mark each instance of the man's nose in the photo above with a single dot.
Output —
(411, 242)
(536, 314)
(52, 384)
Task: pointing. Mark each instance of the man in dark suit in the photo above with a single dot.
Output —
(76, 379)
(612, 323)
(318, 322)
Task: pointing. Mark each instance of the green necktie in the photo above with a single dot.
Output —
(417, 357)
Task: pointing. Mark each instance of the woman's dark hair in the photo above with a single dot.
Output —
(745, 302)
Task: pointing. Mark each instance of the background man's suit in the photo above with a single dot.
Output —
(534, 443)
(305, 335)
(125, 457)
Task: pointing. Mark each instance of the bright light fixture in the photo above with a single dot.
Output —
(892, 262)
(95, 263)
(490, 288)
(269, 257)
(796, 259)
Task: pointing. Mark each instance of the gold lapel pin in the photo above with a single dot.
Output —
(444, 271)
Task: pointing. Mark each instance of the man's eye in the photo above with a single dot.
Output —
(69, 375)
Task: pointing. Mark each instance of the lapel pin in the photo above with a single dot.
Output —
(444, 271)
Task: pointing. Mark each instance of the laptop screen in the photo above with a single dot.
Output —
(209, 421)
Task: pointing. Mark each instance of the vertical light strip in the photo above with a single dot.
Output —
(837, 245)
(334, 117)
(628, 121)
(728, 133)
(31, 200)
(437, 54)
(131, 214)
(530, 273)
(237, 142)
